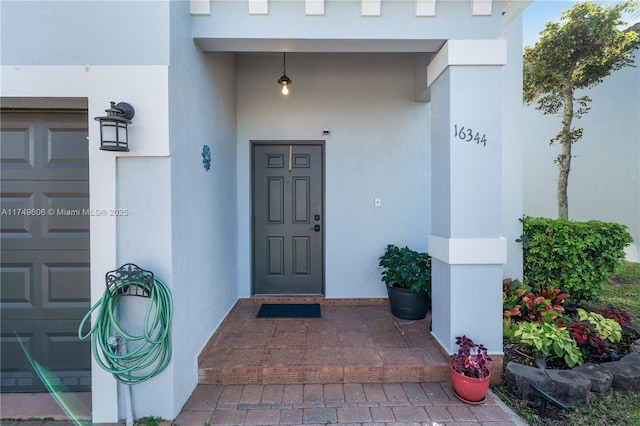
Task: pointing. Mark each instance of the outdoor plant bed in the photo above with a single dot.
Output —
(590, 390)
(573, 354)
(523, 354)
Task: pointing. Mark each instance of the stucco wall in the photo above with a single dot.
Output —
(512, 133)
(604, 182)
(203, 203)
(144, 238)
(84, 32)
(378, 147)
(343, 20)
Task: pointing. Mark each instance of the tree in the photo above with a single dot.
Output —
(576, 53)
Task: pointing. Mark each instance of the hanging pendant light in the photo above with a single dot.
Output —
(284, 81)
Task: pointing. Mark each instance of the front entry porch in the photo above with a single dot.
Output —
(355, 341)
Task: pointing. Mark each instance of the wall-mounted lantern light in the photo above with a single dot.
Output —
(284, 81)
(114, 135)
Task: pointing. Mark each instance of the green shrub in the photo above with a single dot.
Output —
(549, 341)
(576, 257)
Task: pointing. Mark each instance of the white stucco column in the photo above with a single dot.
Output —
(466, 244)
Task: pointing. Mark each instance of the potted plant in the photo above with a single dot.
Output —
(470, 374)
(407, 275)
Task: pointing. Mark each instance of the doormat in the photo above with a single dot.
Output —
(289, 310)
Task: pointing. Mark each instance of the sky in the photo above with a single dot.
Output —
(539, 12)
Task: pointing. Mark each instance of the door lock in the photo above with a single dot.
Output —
(316, 217)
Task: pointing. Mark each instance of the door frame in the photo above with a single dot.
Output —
(284, 142)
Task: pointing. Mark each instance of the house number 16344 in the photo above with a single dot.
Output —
(468, 135)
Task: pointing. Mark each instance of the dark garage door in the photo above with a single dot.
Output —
(45, 288)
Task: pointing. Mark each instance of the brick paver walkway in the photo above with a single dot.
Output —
(350, 403)
(429, 404)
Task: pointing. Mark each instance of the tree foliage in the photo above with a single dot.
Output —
(576, 53)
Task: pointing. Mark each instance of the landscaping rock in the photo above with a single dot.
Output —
(570, 386)
(521, 376)
(573, 387)
(601, 378)
(626, 372)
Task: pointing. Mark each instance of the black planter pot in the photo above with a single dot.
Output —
(406, 304)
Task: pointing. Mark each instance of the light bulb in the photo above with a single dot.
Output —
(285, 89)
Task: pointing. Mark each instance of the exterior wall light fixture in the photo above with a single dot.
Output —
(114, 134)
(284, 81)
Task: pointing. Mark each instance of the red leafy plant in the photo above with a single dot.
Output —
(512, 293)
(586, 337)
(472, 359)
(541, 303)
(544, 303)
(617, 314)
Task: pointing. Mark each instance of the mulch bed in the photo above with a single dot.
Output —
(517, 352)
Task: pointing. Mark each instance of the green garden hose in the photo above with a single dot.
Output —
(152, 353)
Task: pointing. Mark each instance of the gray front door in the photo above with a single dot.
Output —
(45, 249)
(288, 218)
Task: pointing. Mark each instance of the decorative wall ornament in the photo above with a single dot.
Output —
(206, 157)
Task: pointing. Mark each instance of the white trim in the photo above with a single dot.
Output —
(513, 9)
(425, 7)
(200, 7)
(314, 7)
(371, 7)
(467, 52)
(468, 251)
(258, 7)
(438, 64)
(481, 7)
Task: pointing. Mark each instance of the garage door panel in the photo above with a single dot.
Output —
(13, 359)
(45, 146)
(17, 285)
(66, 360)
(44, 266)
(64, 155)
(14, 223)
(45, 284)
(56, 215)
(17, 148)
(67, 148)
(70, 218)
(64, 351)
(66, 285)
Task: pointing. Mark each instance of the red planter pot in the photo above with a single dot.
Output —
(469, 389)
